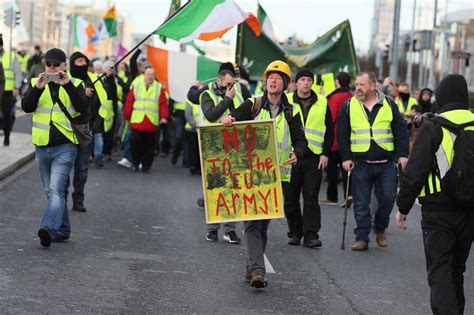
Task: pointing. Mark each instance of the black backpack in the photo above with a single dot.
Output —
(458, 183)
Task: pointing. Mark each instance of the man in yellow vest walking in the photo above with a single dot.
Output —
(405, 101)
(306, 175)
(292, 146)
(371, 135)
(146, 107)
(54, 139)
(13, 79)
(447, 223)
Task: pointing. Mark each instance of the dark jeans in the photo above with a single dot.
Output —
(164, 145)
(334, 165)
(81, 170)
(108, 142)
(364, 177)
(180, 143)
(307, 178)
(142, 149)
(447, 237)
(7, 105)
(193, 150)
(256, 241)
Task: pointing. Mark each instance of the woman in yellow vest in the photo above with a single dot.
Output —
(307, 174)
(292, 147)
(54, 139)
(146, 107)
(447, 224)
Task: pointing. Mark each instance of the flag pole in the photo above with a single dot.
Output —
(141, 42)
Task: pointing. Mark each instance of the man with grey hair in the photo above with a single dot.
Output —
(371, 135)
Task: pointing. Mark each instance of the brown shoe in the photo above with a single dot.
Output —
(258, 280)
(360, 246)
(381, 240)
(248, 277)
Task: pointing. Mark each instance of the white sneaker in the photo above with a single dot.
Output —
(124, 162)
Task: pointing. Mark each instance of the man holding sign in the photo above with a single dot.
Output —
(291, 147)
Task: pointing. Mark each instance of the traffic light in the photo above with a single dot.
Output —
(17, 18)
(8, 17)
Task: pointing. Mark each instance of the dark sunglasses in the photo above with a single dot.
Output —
(52, 64)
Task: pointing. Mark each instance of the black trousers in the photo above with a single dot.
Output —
(447, 237)
(7, 106)
(193, 147)
(109, 138)
(143, 146)
(164, 146)
(307, 178)
(334, 165)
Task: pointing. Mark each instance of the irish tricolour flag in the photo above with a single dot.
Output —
(202, 19)
(178, 71)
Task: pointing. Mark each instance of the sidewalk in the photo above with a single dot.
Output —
(20, 152)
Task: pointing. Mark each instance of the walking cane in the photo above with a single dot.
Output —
(343, 247)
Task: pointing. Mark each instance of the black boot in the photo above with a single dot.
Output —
(79, 207)
(6, 140)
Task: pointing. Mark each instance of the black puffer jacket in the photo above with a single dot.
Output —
(451, 94)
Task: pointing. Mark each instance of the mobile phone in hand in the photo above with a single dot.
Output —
(51, 77)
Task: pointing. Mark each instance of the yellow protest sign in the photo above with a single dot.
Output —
(240, 171)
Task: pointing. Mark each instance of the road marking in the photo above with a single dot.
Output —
(268, 266)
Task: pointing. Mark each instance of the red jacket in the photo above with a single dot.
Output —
(335, 101)
(145, 125)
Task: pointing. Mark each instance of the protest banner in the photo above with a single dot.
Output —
(240, 171)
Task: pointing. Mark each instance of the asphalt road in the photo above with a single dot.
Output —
(141, 248)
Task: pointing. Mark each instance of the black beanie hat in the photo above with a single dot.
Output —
(227, 66)
(55, 55)
(304, 73)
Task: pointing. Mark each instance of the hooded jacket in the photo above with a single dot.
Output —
(451, 94)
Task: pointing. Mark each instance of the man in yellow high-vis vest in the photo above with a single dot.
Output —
(192, 122)
(13, 79)
(405, 101)
(54, 139)
(371, 135)
(447, 223)
(307, 174)
(292, 146)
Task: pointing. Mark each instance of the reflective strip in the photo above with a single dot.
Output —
(360, 131)
(443, 163)
(41, 126)
(8, 69)
(386, 140)
(360, 141)
(103, 106)
(315, 143)
(43, 110)
(314, 132)
(58, 109)
(284, 147)
(64, 124)
(382, 131)
(285, 170)
(146, 110)
(151, 100)
(284, 144)
(9, 79)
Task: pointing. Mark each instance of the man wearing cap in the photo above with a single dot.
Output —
(13, 79)
(97, 98)
(306, 175)
(272, 105)
(48, 98)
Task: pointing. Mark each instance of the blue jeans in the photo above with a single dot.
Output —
(364, 177)
(55, 164)
(98, 145)
(81, 170)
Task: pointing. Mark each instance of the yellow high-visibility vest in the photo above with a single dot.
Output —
(216, 99)
(283, 138)
(328, 85)
(411, 102)
(315, 125)
(445, 152)
(362, 132)
(48, 113)
(8, 70)
(146, 101)
(24, 62)
(195, 110)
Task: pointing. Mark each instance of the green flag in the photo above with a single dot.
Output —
(174, 6)
(332, 52)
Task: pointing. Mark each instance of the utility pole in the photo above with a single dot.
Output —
(394, 46)
(431, 78)
(409, 79)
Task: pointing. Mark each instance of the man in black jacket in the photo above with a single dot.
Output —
(273, 104)
(54, 139)
(371, 134)
(448, 227)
